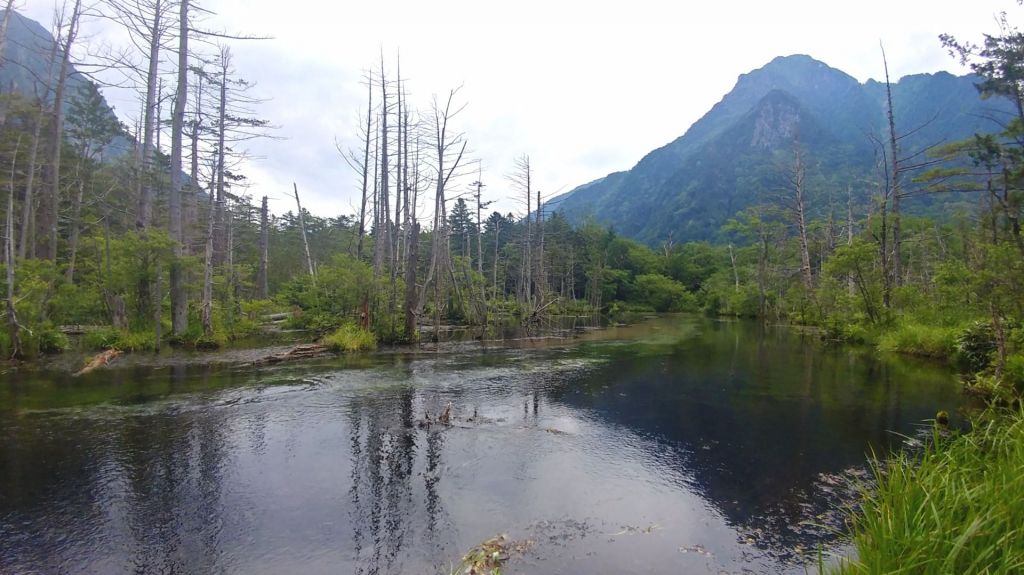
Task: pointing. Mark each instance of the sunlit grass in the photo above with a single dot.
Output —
(350, 338)
(956, 508)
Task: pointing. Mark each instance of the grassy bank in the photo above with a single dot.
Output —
(956, 508)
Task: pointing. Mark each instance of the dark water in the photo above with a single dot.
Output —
(681, 445)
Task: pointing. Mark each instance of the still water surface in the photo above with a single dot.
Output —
(678, 445)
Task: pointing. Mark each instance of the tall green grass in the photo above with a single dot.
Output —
(918, 339)
(350, 338)
(956, 508)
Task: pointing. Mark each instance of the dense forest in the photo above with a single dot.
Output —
(145, 235)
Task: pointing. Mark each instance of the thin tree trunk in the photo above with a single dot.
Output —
(805, 256)
(302, 228)
(144, 214)
(13, 327)
(261, 279)
(207, 311)
(894, 185)
(366, 168)
(221, 129)
(735, 272)
(411, 305)
(179, 295)
(52, 168)
(26, 240)
(849, 235)
(76, 226)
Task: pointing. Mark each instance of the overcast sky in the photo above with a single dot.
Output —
(584, 88)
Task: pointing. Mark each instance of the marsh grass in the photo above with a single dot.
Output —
(957, 507)
(918, 339)
(350, 338)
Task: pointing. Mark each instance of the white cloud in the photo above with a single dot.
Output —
(585, 88)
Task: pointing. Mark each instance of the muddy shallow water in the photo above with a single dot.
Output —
(680, 444)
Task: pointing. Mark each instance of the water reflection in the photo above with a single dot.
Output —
(614, 455)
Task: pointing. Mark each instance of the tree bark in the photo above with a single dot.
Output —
(302, 228)
(261, 278)
(144, 213)
(207, 311)
(13, 327)
(411, 305)
(366, 168)
(179, 295)
(51, 172)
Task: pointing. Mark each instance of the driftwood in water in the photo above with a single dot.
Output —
(102, 359)
(302, 351)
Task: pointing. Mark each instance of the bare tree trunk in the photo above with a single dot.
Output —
(494, 270)
(51, 172)
(76, 226)
(411, 305)
(179, 295)
(261, 277)
(541, 274)
(13, 327)
(207, 312)
(302, 228)
(192, 201)
(735, 272)
(366, 167)
(801, 220)
(219, 231)
(26, 241)
(385, 191)
(894, 185)
(144, 214)
(480, 245)
(851, 288)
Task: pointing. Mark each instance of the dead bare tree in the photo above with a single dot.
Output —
(13, 327)
(179, 294)
(449, 148)
(521, 179)
(262, 290)
(67, 33)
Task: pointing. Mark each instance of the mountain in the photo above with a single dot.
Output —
(26, 69)
(735, 153)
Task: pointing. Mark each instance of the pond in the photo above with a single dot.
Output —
(679, 444)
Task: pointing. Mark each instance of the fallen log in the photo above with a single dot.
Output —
(302, 351)
(102, 359)
(80, 329)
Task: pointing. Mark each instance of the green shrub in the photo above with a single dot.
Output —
(923, 340)
(975, 346)
(664, 294)
(1013, 372)
(350, 338)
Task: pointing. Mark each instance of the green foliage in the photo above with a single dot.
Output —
(664, 294)
(975, 346)
(350, 338)
(958, 508)
(917, 339)
(120, 339)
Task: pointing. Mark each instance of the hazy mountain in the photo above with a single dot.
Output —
(736, 153)
(26, 69)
